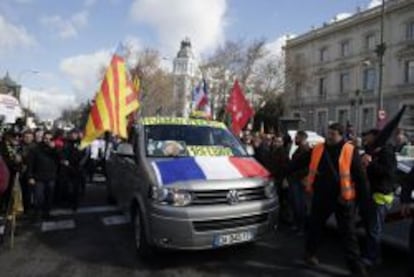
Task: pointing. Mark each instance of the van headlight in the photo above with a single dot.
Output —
(174, 197)
(270, 190)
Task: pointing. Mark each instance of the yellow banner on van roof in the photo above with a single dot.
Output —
(181, 121)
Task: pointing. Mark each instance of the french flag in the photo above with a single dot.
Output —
(207, 168)
(200, 98)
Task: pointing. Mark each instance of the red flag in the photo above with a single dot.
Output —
(239, 109)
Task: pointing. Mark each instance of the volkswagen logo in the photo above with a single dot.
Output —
(233, 197)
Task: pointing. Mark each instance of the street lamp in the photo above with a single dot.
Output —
(357, 103)
(380, 51)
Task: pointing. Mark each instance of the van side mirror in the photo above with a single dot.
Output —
(125, 150)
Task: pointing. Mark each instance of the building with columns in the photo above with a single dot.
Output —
(185, 70)
(332, 71)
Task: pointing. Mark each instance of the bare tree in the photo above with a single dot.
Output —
(156, 84)
(233, 60)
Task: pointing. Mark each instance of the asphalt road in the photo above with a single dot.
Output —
(98, 242)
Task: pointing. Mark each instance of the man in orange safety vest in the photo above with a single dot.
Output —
(335, 176)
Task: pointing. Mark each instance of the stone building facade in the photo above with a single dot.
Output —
(332, 71)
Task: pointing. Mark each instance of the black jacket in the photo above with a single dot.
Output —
(72, 153)
(43, 163)
(262, 155)
(278, 164)
(408, 187)
(298, 175)
(381, 171)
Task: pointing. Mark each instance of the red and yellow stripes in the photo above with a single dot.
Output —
(132, 98)
(115, 100)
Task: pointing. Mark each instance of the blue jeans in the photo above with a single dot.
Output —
(297, 200)
(374, 233)
(44, 195)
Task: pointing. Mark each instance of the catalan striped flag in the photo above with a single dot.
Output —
(115, 100)
(133, 95)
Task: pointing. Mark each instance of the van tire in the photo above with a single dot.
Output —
(143, 248)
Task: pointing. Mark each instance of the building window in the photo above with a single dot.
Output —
(370, 42)
(298, 88)
(321, 122)
(408, 119)
(322, 88)
(345, 48)
(296, 115)
(344, 82)
(369, 79)
(409, 72)
(343, 117)
(367, 118)
(323, 54)
(409, 31)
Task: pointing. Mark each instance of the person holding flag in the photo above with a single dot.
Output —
(115, 100)
(239, 109)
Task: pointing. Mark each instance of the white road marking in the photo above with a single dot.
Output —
(85, 210)
(115, 220)
(322, 268)
(58, 212)
(58, 225)
(97, 209)
(268, 266)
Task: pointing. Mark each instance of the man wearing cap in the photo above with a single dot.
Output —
(380, 164)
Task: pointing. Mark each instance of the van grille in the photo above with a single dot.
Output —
(212, 197)
(221, 224)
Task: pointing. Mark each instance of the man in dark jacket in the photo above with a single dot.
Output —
(27, 190)
(380, 166)
(42, 172)
(296, 178)
(70, 169)
(407, 209)
(332, 191)
(262, 151)
(278, 164)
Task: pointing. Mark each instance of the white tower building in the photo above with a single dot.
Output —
(184, 71)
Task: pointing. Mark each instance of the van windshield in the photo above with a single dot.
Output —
(189, 140)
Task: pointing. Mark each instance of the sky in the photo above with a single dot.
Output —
(56, 49)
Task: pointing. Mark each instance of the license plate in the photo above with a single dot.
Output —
(233, 238)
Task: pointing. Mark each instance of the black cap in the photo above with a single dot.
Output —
(337, 127)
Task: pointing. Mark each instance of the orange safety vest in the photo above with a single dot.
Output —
(345, 161)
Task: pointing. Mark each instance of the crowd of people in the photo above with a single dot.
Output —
(49, 166)
(352, 178)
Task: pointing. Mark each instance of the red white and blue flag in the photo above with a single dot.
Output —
(201, 103)
(169, 172)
